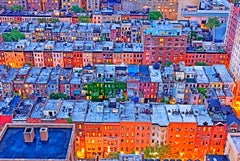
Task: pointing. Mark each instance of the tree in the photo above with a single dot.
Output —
(203, 91)
(84, 19)
(17, 8)
(42, 20)
(213, 22)
(201, 64)
(168, 64)
(53, 20)
(52, 96)
(148, 152)
(114, 155)
(69, 120)
(166, 101)
(163, 151)
(14, 35)
(77, 9)
(155, 15)
(157, 151)
(59, 96)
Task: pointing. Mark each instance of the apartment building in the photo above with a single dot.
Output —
(164, 43)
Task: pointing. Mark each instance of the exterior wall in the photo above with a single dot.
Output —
(50, 5)
(5, 119)
(209, 58)
(57, 59)
(34, 120)
(101, 139)
(96, 18)
(67, 60)
(182, 136)
(7, 89)
(231, 149)
(2, 57)
(48, 60)
(87, 59)
(28, 57)
(15, 59)
(164, 49)
(158, 135)
(68, 4)
(202, 141)
(148, 89)
(38, 59)
(134, 136)
(77, 59)
(232, 27)
(234, 68)
(42, 90)
(218, 139)
(98, 58)
(93, 5)
(117, 58)
(65, 89)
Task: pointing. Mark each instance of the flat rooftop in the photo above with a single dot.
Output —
(223, 73)
(155, 74)
(202, 115)
(80, 111)
(212, 75)
(66, 109)
(173, 113)
(187, 113)
(201, 76)
(236, 142)
(212, 157)
(13, 146)
(159, 115)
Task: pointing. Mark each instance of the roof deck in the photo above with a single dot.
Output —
(13, 146)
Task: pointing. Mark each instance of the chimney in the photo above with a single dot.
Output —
(28, 135)
(44, 134)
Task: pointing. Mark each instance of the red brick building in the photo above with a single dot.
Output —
(164, 49)
(210, 58)
(47, 58)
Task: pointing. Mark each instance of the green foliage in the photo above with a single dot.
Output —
(77, 9)
(14, 35)
(157, 151)
(84, 19)
(213, 22)
(166, 101)
(168, 64)
(124, 99)
(201, 64)
(53, 20)
(155, 15)
(42, 20)
(29, 64)
(114, 155)
(203, 91)
(59, 96)
(17, 8)
(16, 94)
(69, 120)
